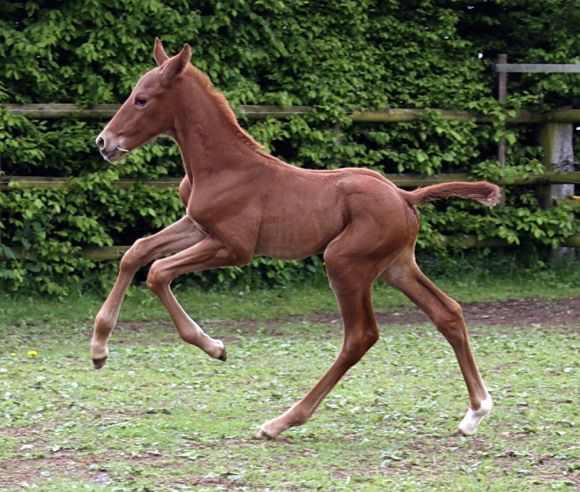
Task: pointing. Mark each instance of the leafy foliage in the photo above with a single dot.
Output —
(329, 55)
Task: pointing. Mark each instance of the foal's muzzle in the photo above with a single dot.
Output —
(110, 147)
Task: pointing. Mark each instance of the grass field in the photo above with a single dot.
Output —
(163, 416)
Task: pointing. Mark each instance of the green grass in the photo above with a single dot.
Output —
(311, 298)
(163, 416)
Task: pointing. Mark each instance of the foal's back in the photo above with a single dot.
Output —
(304, 210)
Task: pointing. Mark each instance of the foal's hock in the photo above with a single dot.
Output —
(240, 202)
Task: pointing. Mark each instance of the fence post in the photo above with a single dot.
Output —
(502, 96)
(557, 142)
(1, 209)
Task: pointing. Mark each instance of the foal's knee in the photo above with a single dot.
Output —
(133, 259)
(157, 278)
(451, 324)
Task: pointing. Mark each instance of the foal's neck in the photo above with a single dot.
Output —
(208, 135)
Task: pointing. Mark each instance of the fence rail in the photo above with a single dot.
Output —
(402, 180)
(467, 241)
(106, 111)
(537, 68)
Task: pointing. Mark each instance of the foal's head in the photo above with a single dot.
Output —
(148, 111)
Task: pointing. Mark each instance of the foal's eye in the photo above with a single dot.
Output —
(140, 101)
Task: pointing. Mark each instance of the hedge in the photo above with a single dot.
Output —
(333, 56)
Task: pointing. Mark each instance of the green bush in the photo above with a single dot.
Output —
(329, 55)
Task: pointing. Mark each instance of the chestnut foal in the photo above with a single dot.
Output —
(241, 202)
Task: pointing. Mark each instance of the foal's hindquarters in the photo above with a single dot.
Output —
(376, 243)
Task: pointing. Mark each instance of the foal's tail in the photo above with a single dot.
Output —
(480, 191)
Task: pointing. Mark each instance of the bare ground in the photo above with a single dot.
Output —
(531, 312)
(515, 312)
(511, 313)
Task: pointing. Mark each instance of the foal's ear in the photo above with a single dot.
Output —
(159, 53)
(177, 64)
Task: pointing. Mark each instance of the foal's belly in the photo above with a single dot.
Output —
(299, 228)
(292, 243)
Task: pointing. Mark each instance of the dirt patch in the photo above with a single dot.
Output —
(21, 472)
(515, 312)
(215, 481)
(531, 312)
(17, 431)
(24, 471)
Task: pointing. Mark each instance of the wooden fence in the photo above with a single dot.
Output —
(544, 182)
(106, 111)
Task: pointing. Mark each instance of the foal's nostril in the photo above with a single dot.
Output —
(100, 142)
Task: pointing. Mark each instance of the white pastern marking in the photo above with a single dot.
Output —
(473, 417)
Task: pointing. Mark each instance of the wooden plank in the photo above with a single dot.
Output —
(572, 177)
(553, 177)
(108, 253)
(26, 182)
(106, 111)
(396, 115)
(256, 112)
(414, 181)
(105, 253)
(59, 111)
(562, 116)
(537, 67)
(470, 242)
(572, 241)
(402, 180)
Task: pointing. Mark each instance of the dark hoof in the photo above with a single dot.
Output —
(223, 356)
(263, 435)
(99, 363)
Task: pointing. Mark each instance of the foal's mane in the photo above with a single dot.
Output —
(222, 103)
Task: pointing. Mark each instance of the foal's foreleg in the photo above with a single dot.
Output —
(447, 316)
(360, 334)
(209, 253)
(176, 237)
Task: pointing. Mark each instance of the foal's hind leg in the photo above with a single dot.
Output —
(352, 287)
(176, 237)
(446, 313)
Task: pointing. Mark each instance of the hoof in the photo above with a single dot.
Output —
(470, 422)
(223, 356)
(99, 363)
(263, 435)
(465, 432)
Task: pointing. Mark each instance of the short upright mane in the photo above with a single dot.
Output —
(224, 106)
